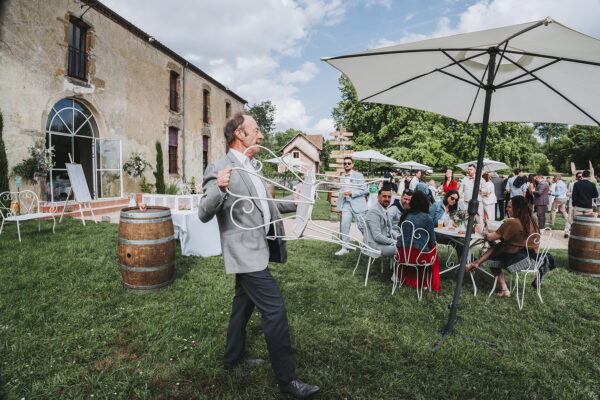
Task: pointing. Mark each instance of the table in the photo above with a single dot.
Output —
(459, 240)
(197, 238)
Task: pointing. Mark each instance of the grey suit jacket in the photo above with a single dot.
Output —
(378, 224)
(540, 194)
(357, 200)
(243, 250)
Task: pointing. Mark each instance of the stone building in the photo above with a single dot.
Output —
(94, 86)
(306, 149)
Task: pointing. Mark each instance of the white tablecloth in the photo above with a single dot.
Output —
(197, 238)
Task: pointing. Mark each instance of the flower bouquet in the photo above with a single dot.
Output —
(461, 217)
(135, 165)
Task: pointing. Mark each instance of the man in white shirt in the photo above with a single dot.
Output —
(351, 200)
(415, 180)
(560, 199)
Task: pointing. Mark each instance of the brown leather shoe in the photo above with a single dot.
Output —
(299, 389)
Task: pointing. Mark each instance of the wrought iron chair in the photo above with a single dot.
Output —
(372, 254)
(529, 265)
(411, 256)
(23, 206)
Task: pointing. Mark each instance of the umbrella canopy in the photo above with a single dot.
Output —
(536, 72)
(543, 72)
(412, 165)
(488, 165)
(372, 156)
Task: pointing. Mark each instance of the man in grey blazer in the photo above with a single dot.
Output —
(540, 199)
(247, 252)
(380, 234)
(351, 200)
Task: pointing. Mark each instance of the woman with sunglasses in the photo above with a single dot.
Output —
(512, 236)
(443, 209)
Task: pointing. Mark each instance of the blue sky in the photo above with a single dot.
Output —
(271, 49)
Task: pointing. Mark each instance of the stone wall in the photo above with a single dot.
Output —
(127, 88)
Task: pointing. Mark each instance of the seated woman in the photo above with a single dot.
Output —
(446, 207)
(418, 214)
(513, 234)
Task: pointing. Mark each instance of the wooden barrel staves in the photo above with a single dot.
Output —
(584, 246)
(146, 248)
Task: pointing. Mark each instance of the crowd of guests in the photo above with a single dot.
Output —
(403, 197)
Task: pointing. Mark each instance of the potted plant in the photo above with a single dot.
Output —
(37, 166)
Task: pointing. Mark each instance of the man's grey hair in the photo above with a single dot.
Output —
(233, 123)
(557, 176)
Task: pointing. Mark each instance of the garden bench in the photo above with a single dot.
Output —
(22, 206)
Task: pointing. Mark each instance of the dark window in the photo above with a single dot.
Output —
(205, 100)
(227, 110)
(173, 91)
(173, 151)
(205, 151)
(296, 154)
(77, 55)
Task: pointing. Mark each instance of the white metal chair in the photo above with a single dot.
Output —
(411, 256)
(372, 256)
(28, 209)
(530, 265)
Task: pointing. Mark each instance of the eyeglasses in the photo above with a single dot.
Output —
(453, 198)
(348, 163)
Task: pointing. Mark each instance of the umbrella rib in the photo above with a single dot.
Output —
(536, 25)
(425, 74)
(383, 53)
(459, 63)
(475, 98)
(573, 60)
(506, 83)
(555, 91)
(459, 78)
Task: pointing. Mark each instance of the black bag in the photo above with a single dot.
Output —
(519, 181)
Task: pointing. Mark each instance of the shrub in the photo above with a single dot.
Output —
(160, 172)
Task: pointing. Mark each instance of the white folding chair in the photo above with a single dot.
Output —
(530, 265)
(422, 259)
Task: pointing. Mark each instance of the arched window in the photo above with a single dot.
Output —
(72, 130)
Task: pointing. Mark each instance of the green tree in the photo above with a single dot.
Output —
(3, 161)
(408, 134)
(159, 175)
(264, 115)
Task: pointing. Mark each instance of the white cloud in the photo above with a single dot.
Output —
(325, 126)
(580, 15)
(241, 43)
(305, 74)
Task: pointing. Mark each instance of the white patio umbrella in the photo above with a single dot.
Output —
(372, 156)
(540, 71)
(488, 165)
(413, 165)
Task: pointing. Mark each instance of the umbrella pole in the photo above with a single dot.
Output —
(473, 207)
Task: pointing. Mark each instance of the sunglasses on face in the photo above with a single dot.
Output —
(453, 198)
(347, 163)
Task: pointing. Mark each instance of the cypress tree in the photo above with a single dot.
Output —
(160, 173)
(3, 161)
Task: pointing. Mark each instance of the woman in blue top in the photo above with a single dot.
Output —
(447, 206)
(418, 214)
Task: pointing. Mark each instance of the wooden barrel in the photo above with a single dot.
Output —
(584, 246)
(146, 248)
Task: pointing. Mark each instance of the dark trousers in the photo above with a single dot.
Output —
(541, 214)
(261, 290)
(501, 209)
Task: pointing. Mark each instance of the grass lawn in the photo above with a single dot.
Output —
(68, 329)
